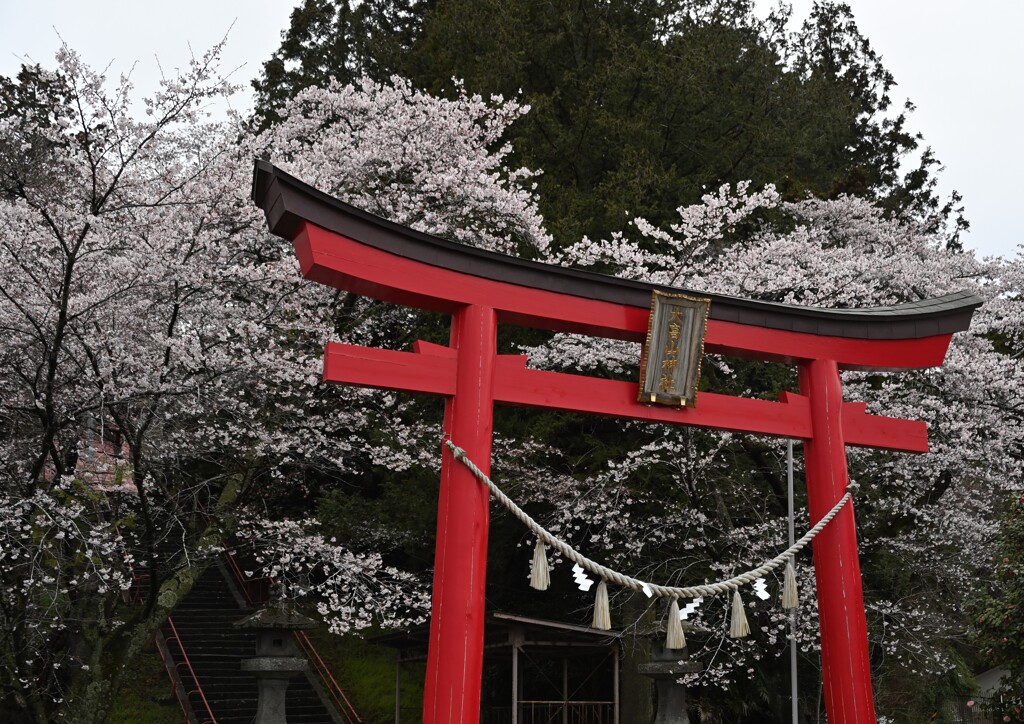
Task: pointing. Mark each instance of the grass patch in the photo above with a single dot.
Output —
(366, 672)
(146, 697)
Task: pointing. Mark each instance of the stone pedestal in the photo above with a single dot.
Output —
(272, 675)
(666, 667)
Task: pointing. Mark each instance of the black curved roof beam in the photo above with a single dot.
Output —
(289, 202)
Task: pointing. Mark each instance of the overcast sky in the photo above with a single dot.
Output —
(959, 62)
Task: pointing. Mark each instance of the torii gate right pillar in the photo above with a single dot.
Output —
(845, 661)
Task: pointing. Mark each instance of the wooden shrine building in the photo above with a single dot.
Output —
(534, 671)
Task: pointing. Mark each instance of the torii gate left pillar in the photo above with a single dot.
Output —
(349, 249)
(463, 512)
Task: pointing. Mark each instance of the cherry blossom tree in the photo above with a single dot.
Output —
(103, 308)
(998, 626)
(683, 506)
(161, 355)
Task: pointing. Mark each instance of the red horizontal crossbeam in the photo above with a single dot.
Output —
(386, 369)
(885, 433)
(335, 260)
(431, 369)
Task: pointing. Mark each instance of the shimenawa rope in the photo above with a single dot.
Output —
(652, 589)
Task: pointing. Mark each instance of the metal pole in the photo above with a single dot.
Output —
(792, 614)
(398, 688)
(515, 682)
(616, 651)
(565, 690)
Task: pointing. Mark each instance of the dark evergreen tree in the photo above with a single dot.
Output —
(336, 39)
(640, 107)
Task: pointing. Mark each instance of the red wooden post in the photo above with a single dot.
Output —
(846, 668)
(455, 655)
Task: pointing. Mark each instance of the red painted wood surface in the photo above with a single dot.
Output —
(455, 655)
(432, 371)
(776, 345)
(846, 668)
(884, 433)
(349, 364)
(346, 264)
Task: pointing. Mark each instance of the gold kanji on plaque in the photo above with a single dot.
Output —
(670, 366)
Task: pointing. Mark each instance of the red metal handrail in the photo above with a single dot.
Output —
(133, 594)
(330, 684)
(170, 675)
(259, 595)
(186, 703)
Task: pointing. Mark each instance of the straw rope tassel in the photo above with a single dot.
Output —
(602, 616)
(738, 628)
(540, 571)
(790, 598)
(674, 638)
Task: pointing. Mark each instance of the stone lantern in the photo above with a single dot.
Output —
(277, 659)
(666, 667)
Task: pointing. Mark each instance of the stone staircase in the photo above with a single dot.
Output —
(207, 650)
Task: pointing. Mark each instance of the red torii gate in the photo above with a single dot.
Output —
(347, 248)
